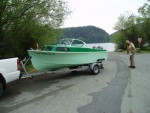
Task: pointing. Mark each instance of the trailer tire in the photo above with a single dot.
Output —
(96, 69)
(1, 89)
(101, 66)
(74, 71)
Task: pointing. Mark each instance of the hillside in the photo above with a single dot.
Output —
(89, 34)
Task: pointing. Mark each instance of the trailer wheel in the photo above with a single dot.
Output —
(1, 89)
(74, 71)
(101, 66)
(96, 69)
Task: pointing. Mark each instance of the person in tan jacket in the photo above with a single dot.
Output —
(131, 51)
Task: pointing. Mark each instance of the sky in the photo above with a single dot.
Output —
(99, 13)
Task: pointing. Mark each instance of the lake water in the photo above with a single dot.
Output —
(108, 46)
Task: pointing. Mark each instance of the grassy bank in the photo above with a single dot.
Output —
(30, 68)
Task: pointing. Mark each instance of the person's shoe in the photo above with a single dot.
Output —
(129, 66)
(132, 67)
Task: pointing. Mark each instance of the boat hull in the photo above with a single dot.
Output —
(51, 60)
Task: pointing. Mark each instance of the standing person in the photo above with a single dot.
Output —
(131, 51)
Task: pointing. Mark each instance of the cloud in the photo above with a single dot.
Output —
(100, 13)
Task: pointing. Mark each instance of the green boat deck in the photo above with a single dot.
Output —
(70, 49)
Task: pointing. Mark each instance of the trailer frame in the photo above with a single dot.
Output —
(94, 67)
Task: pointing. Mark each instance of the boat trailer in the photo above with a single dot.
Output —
(94, 68)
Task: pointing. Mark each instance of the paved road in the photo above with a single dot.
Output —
(117, 89)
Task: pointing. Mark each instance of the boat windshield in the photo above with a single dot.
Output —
(65, 41)
(77, 43)
(71, 42)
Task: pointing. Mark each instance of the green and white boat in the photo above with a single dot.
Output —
(67, 53)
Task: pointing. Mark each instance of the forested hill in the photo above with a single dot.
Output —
(89, 34)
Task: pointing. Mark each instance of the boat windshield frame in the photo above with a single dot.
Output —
(71, 42)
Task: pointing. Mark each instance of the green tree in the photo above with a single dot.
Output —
(89, 34)
(128, 28)
(26, 22)
(119, 38)
(132, 27)
(144, 21)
